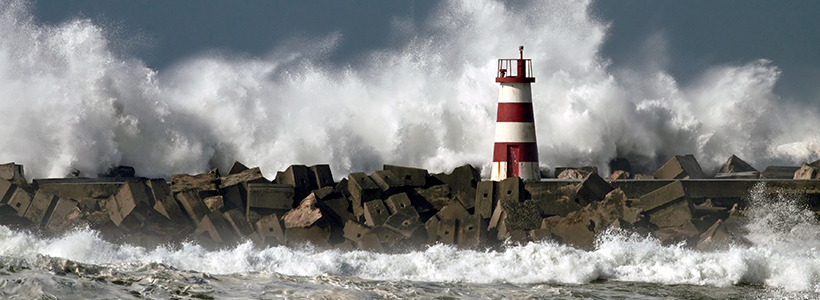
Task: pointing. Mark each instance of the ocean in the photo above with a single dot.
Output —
(74, 100)
(782, 262)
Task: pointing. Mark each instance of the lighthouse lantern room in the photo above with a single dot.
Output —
(515, 152)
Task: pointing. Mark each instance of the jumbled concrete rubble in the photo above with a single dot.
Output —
(399, 208)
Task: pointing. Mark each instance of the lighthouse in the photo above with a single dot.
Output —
(515, 152)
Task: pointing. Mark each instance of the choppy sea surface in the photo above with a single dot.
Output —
(784, 262)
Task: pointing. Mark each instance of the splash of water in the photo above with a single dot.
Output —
(428, 101)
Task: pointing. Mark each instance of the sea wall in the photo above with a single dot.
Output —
(402, 208)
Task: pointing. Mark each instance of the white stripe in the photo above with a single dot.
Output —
(529, 171)
(515, 92)
(499, 171)
(514, 132)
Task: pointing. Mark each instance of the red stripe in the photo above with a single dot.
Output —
(528, 152)
(515, 79)
(515, 112)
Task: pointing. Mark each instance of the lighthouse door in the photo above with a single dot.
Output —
(512, 160)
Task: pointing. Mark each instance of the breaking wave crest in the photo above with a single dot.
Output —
(70, 102)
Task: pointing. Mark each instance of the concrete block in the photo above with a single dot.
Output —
(11, 171)
(235, 196)
(6, 191)
(271, 227)
(806, 171)
(398, 202)
(41, 206)
(510, 188)
(169, 208)
(20, 201)
(518, 237)
(323, 176)
(574, 173)
(674, 214)
(471, 231)
(454, 210)
(404, 222)
(387, 181)
(250, 175)
(412, 177)
(580, 227)
(686, 233)
(305, 215)
(375, 213)
(571, 231)
(680, 167)
(238, 222)
(387, 236)
(113, 211)
(559, 202)
(432, 226)
(237, 168)
(354, 231)
(593, 188)
(498, 215)
(270, 196)
(438, 196)
(669, 193)
(326, 193)
(736, 165)
(79, 188)
(714, 238)
(314, 235)
(779, 172)
(738, 175)
(370, 242)
(346, 246)
(618, 175)
(569, 174)
(485, 199)
(447, 231)
(214, 203)
(463, 181)
(193, 205)
(521, 215)
(362, 189)
(205, 182)
(158, 189)
(219, 230)
(541, 234)
(358, 210)
(130, 196)
(64, 211)
(9, 217)
(241, 226)
(300, 177)
(337, 209)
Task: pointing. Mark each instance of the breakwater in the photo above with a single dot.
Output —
(399, 208)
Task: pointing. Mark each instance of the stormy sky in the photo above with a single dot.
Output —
(690, 36)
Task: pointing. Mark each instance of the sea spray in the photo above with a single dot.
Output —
(427, 101)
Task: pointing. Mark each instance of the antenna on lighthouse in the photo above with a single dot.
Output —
(515, 152)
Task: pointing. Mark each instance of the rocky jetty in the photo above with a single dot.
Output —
(401, 208)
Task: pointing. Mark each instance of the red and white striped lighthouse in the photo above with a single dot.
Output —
(515, 152)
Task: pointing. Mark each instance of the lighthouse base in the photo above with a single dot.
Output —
(528, 171)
